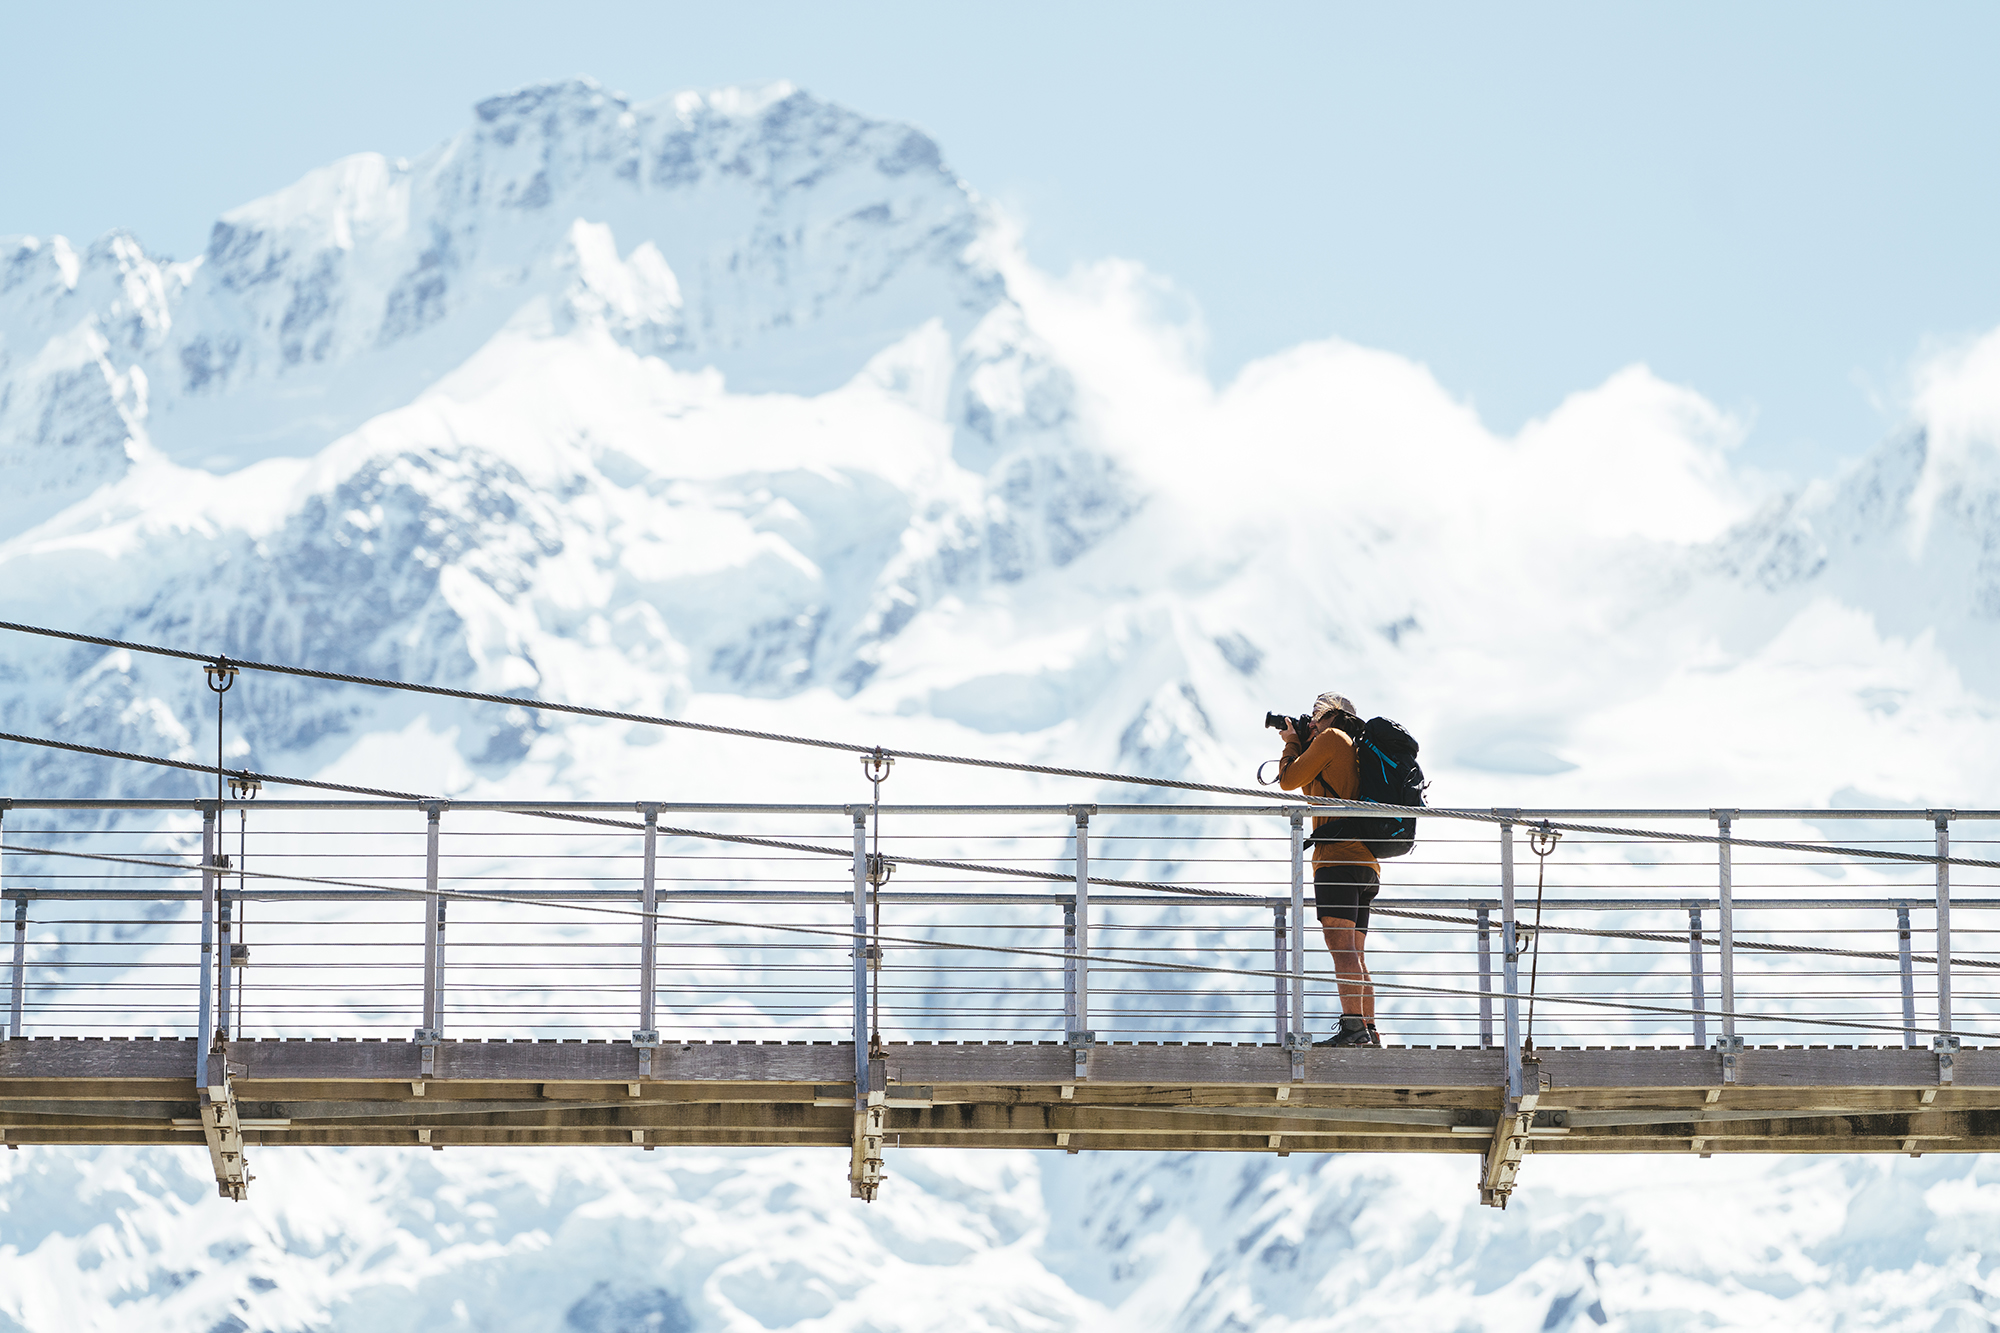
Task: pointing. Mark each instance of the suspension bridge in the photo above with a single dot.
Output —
(1065, 977)
(393, 968)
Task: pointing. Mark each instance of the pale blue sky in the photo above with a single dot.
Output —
(1782, 205)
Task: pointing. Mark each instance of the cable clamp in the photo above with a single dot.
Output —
(245, 786)
(220, 674)
(876, 764)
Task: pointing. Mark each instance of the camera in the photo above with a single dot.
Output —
(1278, 722)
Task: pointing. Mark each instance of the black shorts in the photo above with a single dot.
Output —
(1344, 889)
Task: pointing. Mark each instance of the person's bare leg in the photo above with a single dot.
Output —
(1350, 968)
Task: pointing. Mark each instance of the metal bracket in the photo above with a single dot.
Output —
(427, 1040)
(1297, 1043)
(870, 1130)
(1730, 1049)
(1517, 1124)
(222, 1127)
(646, 1043)
(1080, 1044)
(1946, 1048)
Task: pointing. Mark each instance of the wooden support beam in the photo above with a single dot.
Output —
(1139, 1097)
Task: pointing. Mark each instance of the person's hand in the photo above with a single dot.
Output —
(1290, 733)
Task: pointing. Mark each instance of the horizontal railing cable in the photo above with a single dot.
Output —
(847, 853)
(1680, 941)
(1058, 955)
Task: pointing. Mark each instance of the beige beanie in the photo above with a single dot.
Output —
(1331, 702)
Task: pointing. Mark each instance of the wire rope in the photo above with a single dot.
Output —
(859, 938)
(527, 701)
(1820, 849)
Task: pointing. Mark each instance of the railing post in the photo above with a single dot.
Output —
(208, 888)
(1909, 976)
(1278, 971)
(1299, 1029)
(1082, 1037)
(1485, 977)
(861, 1089)
(1301, 1036)
(16, 1025)
(1698, 984)
(223, 1019)
(1069, 968)
(1510, 962)
(432, 1031)
(1730, 1046)
(17, 984)
(1942, 818)
(1725, 912)
(646, 1038)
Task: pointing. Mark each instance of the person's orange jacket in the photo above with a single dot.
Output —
(1329, 764)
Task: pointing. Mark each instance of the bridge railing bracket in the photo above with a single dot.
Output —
(1946, 1047)
(1297, 1044)
(645, 1041)
(427, 1040)
(1731, 1051)
(1080, 1044)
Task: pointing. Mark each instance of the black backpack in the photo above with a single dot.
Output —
(1386, 757)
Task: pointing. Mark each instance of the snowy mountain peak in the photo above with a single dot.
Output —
(777, 237)
(739, 406)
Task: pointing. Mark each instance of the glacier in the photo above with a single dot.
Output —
(742, 406)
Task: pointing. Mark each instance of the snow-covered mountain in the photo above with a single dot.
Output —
(741, 406)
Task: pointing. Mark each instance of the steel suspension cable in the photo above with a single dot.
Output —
(1477, 816)
(205, 769)
(1018, 766)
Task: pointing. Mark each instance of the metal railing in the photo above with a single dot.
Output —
(1076, 924)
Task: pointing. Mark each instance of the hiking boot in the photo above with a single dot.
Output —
(1351, 1032)
(1374, 1037)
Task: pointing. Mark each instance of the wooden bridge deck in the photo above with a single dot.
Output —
(1139, 1096)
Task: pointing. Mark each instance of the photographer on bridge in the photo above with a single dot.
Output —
(1346, 875)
